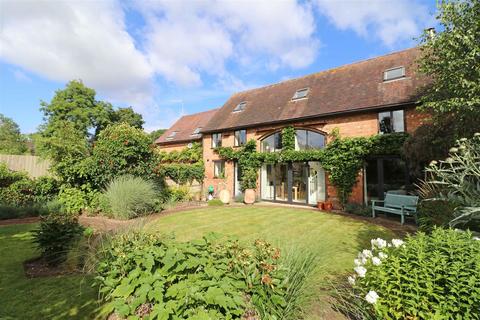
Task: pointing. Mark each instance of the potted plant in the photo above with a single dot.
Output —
(224, 194)
(328, 206)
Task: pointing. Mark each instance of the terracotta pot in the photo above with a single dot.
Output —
(224, 196)
(328, 206)
(249, 197)
(321, 205)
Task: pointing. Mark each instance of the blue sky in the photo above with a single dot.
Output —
(169, 58)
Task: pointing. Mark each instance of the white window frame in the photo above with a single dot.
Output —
(236, 140)
(240, 107)
(296, 97)
(395, 78)
(216, 142)
(216, 170)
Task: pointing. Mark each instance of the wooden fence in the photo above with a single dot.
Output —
(33, 165)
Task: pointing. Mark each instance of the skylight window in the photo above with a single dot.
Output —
(196, 131)
(240, 107)
(394, 73)
(300, 94)
(172, 135)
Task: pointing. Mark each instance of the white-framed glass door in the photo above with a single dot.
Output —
(237, 174)
(316, 183)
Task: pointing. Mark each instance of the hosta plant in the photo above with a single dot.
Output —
(434, 276)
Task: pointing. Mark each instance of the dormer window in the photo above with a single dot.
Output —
(172, 135)
(300, 94)
(394, 73)
(196, 131)
(240, 107)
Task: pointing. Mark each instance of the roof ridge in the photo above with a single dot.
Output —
(324, 71)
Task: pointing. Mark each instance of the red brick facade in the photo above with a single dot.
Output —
(356, 125)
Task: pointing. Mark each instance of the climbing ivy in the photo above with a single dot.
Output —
(182, 166)
(342, 158)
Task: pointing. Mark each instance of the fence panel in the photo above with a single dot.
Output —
(33, 165)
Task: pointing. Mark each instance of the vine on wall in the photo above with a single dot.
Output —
(342, 158)
(182, 166)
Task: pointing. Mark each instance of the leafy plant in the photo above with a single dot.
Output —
(434, 276)
(131, 196)
(435, 212)
(73, 200)
(56, 235)
(213, 278)
(457, 179)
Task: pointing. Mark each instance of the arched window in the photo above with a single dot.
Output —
(272, 143)
(307, 140)
(304, 140)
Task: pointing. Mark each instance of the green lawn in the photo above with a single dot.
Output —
(61, 297)
(335, 240)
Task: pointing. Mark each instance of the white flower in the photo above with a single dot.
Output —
(463, 139)
(433, 163)
(371, 297)
(351, 280)
(358, 262)
(379, 243)
(397, 243)
(476, 238)
(453, 150)
(383, 255)
(361, 271)
(367, 253)
(376, 261)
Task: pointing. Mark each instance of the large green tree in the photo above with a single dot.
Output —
(155, 134)
(11, 140)
(451, 59)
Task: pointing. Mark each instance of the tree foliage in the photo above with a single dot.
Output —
(11, 140)
(154, 135)
(452, 59)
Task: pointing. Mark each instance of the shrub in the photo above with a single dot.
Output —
(20, 193)
(131, 196)
(98, 204)
(73, 200)
(358, 209)
(215, 203)
(120, 150)
(212, 278)
(433, 276)
(180, 193)
(435, 212)
(46, 188)
(56, 235)
(457, 179)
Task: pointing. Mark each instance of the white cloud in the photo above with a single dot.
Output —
(391, 21)
(185, 39)
(65, 40)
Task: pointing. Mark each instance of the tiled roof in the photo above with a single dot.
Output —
(185, 128)
(354, 87)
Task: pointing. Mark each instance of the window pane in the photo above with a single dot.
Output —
(278, 141)
(394, 73)
(315, 140)
(218, 169)
(398, 123)
(267, 144)
(385, 122)
(301, 139)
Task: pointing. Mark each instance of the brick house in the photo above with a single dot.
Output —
(365, 98)
(185, 131)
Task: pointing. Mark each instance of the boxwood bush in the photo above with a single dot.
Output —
(434, 276)
(149, 276)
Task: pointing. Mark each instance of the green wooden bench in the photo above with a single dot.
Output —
(396, 204)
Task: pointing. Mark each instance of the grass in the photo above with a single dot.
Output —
(60, 297)
(334, 240)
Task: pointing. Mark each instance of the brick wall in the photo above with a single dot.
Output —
(173, 147)
(356, 125)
